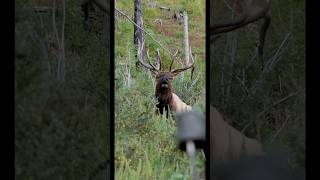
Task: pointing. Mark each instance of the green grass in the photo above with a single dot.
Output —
(145, 144)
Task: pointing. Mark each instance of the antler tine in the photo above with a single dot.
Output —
(176, 71)
(192, 62)
(175, 54)
(191, 56)
(158, 60)
(154, 67)
(147, 66)
(173, 58)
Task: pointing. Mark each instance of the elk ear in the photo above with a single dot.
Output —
(173, 76)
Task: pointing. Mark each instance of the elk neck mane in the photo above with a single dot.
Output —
(164, 95)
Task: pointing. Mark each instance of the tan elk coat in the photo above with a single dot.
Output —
(177, 105)
(228, 144)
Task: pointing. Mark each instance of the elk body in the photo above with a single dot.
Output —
(228, 144)
(167, 99)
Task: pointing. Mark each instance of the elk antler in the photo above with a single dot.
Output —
(251, 12)
(102, 4)
(157, 65)
(150, 66)
(177, 71)
(155, 68)
(173, 58)
(158, 62)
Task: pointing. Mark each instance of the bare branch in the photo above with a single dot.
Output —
(143, 30)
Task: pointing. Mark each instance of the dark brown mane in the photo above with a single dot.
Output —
(163, 94)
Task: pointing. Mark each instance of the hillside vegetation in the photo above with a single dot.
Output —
(61, 126)
(145, 145)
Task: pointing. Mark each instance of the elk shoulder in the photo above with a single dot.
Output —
(228, 144)
(177, 105)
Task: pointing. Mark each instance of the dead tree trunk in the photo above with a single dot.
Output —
(186, 39)
(138, 34)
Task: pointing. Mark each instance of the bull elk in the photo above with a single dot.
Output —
(226, 143)
(250, 11)
(167, 99)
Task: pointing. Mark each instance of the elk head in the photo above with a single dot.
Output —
(250, 11)
(164, 92)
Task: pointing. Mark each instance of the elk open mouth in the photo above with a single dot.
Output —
(164, 85)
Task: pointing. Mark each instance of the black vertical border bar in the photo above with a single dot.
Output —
(207, 150)
(9, 108)
(112, 89)
(312, 83)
